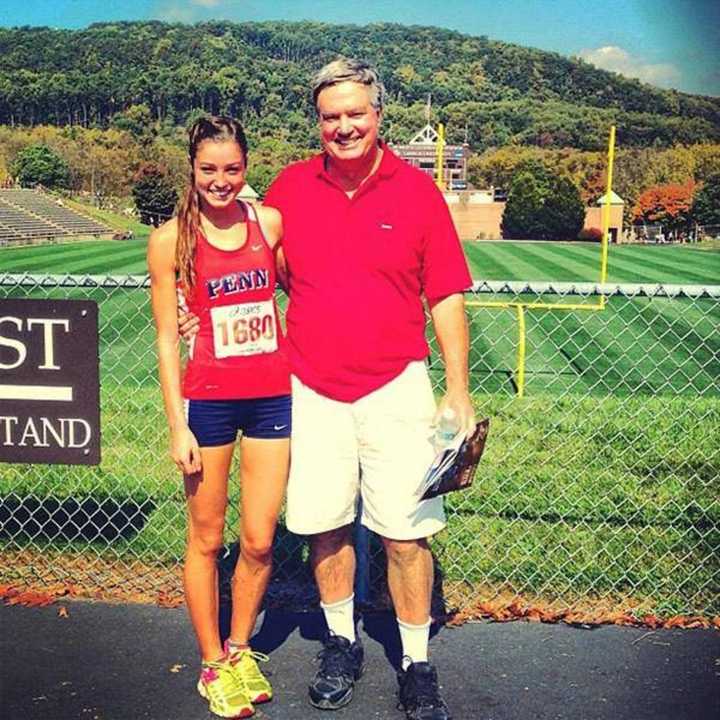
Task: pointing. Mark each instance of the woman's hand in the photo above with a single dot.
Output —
(185, 451)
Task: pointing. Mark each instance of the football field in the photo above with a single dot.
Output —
(502, 260)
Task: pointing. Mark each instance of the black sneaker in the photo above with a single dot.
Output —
(341, 664)
(419, 694)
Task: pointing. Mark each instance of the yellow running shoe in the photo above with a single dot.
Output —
(244, 665)
(227, 698)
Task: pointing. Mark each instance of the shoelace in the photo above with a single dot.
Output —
(427, 693)
(335, 660)
(221, 671)
(252, 670)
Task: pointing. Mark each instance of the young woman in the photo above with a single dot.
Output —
(218, 256)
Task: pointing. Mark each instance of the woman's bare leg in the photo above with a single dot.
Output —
(206, 495)
(263, 470)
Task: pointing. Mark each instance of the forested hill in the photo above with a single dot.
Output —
(491, 93)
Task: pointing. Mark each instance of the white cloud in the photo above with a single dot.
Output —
(173, 12)
(616, 59)
(186, 11)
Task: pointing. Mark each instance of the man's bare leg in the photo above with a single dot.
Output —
(410, 579)
(332, 556)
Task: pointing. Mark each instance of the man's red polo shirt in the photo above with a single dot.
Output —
(357, 270)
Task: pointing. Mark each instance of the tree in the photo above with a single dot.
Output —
(544, 178)
(260, 176)
(39, 165)
(154, 194)
(706, 203)
(541, 206)
(524, 204)
(563, 214)
(138, 121)
(665, 204)
(268, 156)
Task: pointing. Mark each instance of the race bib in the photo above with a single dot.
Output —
(244, 329)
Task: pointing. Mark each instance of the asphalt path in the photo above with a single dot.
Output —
(134, 662)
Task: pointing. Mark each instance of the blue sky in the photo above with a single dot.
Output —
(669, 43)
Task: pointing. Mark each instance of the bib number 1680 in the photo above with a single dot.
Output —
(244, 329)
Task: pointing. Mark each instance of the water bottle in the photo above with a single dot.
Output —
(446, 429)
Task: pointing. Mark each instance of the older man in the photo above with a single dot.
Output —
(366, 238)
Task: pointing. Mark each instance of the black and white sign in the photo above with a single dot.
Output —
(49, 382)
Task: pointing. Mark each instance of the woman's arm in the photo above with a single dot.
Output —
(161, 264)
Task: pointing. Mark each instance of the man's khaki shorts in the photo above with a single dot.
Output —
(379, 447)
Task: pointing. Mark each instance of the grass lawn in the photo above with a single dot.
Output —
(574, 496)
(605, 478)
(561, 262)
(89, 257)
(575, 262)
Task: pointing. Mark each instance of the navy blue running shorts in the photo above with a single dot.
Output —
(216, 422)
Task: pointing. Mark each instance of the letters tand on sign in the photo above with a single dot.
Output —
(49, 382)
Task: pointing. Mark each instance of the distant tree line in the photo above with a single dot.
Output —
(103, 111)
(488, 93)
(106, 163)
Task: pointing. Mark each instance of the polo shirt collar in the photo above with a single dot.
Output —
(389, 163)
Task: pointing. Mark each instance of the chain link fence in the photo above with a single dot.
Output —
(656, 233)
(600, 482)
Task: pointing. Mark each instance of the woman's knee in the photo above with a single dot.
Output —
(205, 540)
(256, 547)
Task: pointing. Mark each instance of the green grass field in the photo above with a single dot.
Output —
(573, 262)
(605, 478)
(562, 262)
(572, 497)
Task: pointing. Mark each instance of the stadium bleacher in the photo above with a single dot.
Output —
(28, 216)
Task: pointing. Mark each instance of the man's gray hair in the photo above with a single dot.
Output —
(347, 69)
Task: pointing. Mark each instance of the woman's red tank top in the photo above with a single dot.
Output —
(239, 351)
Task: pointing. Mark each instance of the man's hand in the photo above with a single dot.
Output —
(188, 325)
(185, 451)
(462, 406)
(451, 330)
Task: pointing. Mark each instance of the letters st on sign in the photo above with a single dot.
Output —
(49, 382)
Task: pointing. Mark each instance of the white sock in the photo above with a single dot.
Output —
(340, 617)
(414, 639)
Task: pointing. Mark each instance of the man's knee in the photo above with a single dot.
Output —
(331, 542)
(405, 552)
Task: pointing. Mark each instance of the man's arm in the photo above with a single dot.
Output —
(271, 223)
(451, 330)
(445, 275)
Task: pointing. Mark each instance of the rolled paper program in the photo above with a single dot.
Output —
(454, 467)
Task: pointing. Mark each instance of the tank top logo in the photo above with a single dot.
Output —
(237, 282)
